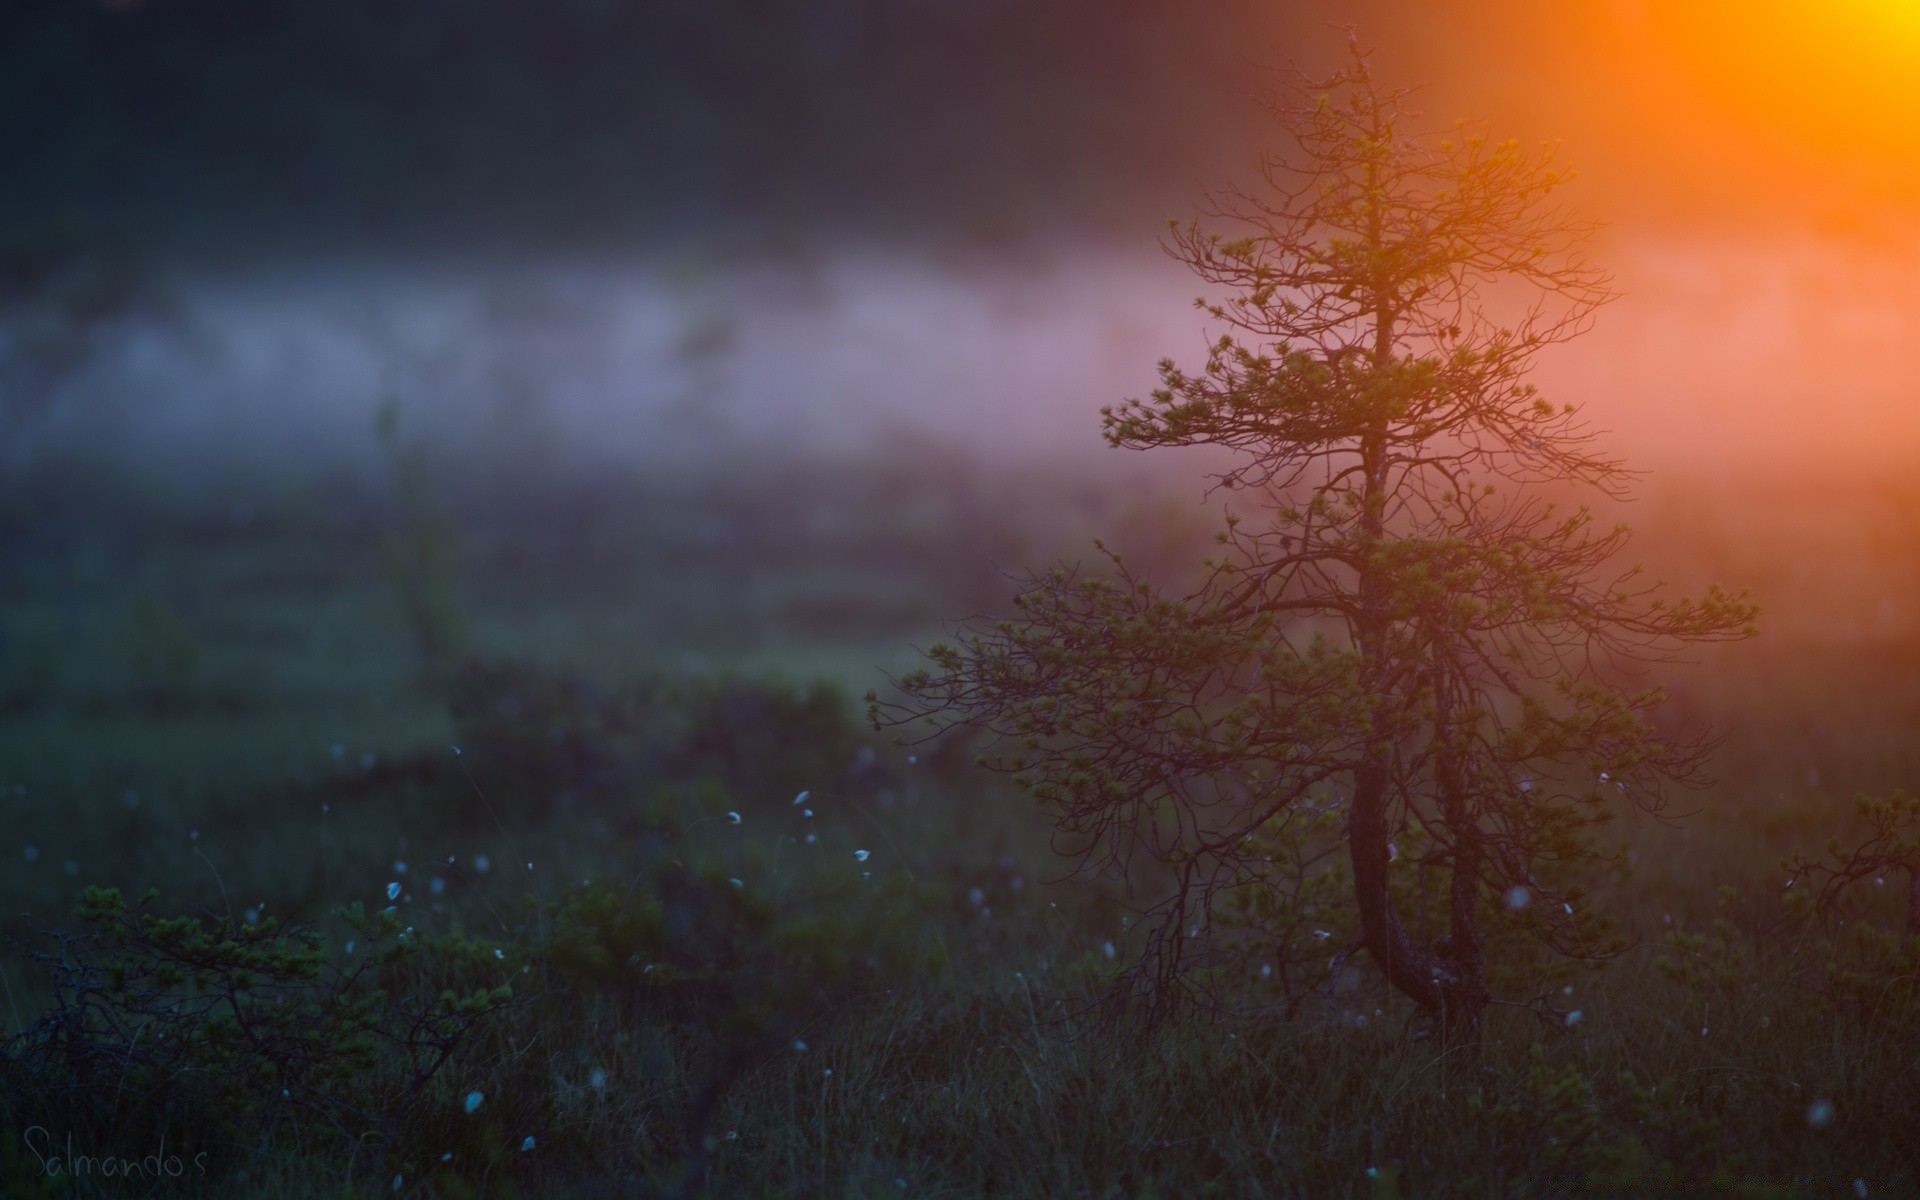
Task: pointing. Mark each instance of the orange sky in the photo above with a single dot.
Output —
(1685, 112)
(1758, 165)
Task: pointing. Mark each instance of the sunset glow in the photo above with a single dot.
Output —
(970, 597)
(1740, 114)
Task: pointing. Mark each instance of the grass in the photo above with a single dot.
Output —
(647, 685)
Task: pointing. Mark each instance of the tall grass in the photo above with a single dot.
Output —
(940, 986)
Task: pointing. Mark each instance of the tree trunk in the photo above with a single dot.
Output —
(1454, 992)
(1451, 988)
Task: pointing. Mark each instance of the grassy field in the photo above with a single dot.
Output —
(644, 909)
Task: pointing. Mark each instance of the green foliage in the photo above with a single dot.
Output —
(962, 1058)
(543, 732)
(1560, 1129)
(722, 951)
(1891, 849)
(694, 942)
(1447, 656)
(1866, 971)
(1286, 922)
(1547, 1127)
(244, 1033)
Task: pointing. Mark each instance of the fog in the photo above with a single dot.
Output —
(824, 229)
(642, 362)
(1720, 356)
(549, 444)
(921, 244)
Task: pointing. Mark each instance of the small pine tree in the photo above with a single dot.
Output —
(1383, 627)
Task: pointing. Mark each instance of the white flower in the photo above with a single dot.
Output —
(733, 818)
(1106, 948)
(528, 1144)
(474, 1100)
(1573, 1018)
(800, 1046)
(801, 799)
(860, 855)
(393, 891)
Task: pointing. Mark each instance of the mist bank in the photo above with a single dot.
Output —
(911, 428)
(1718, 360)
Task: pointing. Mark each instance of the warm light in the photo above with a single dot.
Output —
(1750, 107)
(1848, 67)
(1898, 16)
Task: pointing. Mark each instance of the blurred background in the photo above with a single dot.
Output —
(475, 433)
(340, 340)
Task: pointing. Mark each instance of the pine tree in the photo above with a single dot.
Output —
(1399, 621)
